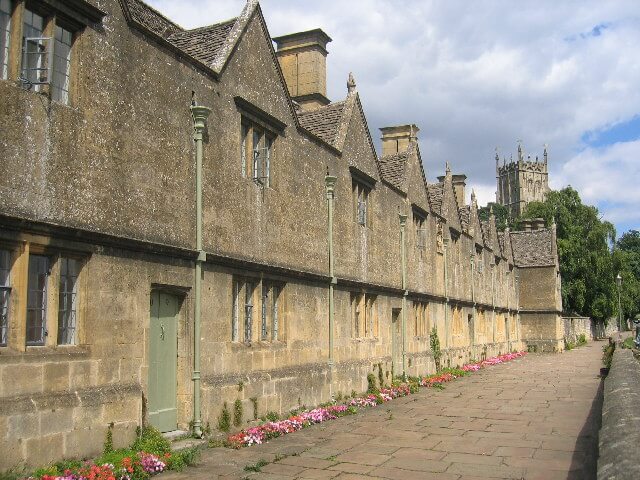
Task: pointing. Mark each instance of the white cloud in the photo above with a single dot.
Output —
(473, 75)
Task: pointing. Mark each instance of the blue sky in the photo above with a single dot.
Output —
(479, 75)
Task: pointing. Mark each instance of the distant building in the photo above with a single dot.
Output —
(521, 182)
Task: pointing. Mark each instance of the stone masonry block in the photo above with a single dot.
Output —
(56, 421)
(56, 376)
(21, 379)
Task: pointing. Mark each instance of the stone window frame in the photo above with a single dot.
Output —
(257, 151)
(421, 318)
(365, 318)
(362, 186)
(248, 313)
(419, 219)
(62, 23)
(18, 305)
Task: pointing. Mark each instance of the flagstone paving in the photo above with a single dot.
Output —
(532, 418)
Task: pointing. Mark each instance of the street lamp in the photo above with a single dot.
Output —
(619, 283)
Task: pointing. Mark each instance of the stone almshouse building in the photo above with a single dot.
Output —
(317, 261)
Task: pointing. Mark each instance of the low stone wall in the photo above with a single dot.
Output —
(576, 326)
(619, 439)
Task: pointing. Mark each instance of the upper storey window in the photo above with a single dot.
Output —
(256, 152)
(5, 35)
(419, 225)
(258, 133)
(361, 202)
(42, 63)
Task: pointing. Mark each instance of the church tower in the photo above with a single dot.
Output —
(522, 181)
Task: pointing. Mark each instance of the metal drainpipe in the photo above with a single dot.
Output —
(330, 183)
(493, 300)
(445, 245)
(403, 224)
(199, 115)
(473, 295)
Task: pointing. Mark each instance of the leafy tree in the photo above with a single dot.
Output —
(584, 250)
(627, 263)
(500, 212)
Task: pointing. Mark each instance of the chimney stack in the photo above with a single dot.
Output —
(303, 60)
(397, 139)
(459, 183)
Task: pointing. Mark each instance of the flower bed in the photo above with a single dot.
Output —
(269, 430)
(149, 454)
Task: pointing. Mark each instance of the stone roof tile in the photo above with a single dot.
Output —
(323, 122)
(533, 249)
(435, 192)
(203, 43)
(393, 169)
(465, 215)
(151, 19)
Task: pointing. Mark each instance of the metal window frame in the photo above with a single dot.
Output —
(67, 329)
(48, 51)
(44, 292)
(235, 314)
(248, 310)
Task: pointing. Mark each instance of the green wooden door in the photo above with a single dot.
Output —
(163, 353)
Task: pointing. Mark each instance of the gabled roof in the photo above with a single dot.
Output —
(323, 122)
(149, 18)
(204, 43)
(465, 214)
(435, 193)
(533, 249)
(393, 168)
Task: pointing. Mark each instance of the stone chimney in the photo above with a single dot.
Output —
(459, 183)
(397, 139)
(303, 60)
(531, 224)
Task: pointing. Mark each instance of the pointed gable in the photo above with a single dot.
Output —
(475, 227)
(449, 203)
(354, 139)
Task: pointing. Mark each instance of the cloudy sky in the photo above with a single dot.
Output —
(476, 75)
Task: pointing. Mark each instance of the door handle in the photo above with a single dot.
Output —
(161, 332)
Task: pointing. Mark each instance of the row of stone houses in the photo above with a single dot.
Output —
(186, 219)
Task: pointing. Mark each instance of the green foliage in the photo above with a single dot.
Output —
(151, 441)
(627, 263)
(183, 458)
(257, 467)
(237, 412)
(380, 376)
(607, 354)
(108, 441)
(224, 420)
(339, 397)
(272, 416)
(628, 343)
(435, 348)
(587, 263)
(569, 345)
(254, 401)
(12, 474)
(500, 212)
(582, 339)
(371, 383)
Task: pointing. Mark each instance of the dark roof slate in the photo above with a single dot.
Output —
(393, 169)
(323, 122)
(465, 214)
(435, 192)
(533, 249)
(203, 43)
(151, 19)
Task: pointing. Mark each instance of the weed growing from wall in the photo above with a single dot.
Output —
(435, 348)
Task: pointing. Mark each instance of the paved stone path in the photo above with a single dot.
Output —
(532, 418)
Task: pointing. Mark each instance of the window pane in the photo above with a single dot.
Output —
(265, 302)
(5, 292)
(34, 68)
(68, 293)
(248, 308)
(5, 35)
(236, 311)
(275, 294)
(61, 65)
(37, 299)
